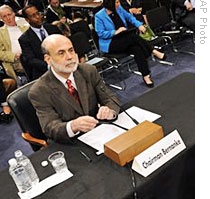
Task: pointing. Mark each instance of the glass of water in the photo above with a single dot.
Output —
(58, 161)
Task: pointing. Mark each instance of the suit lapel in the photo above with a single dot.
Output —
(7, 41)
(59, 90)
(36, 43)
(82, 91)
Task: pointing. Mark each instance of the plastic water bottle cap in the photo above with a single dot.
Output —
(12, 161)
(44, 163)
(18, 153)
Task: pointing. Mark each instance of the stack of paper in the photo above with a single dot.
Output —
(97, 137)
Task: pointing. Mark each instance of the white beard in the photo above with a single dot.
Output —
(70, 66)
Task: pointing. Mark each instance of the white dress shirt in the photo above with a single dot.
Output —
(37, 31)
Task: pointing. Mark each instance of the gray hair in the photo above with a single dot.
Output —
(4, 7)
(44, 48)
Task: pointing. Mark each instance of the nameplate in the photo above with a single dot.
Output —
(123, 148)
(158, 154)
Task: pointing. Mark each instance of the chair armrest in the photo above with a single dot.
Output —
(27, 137)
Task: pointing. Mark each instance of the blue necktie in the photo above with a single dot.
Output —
(42, 33)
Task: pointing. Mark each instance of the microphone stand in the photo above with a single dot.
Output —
(133, 119)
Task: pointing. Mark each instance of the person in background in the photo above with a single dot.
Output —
(18, 5)
(70, 98)
(80, 24)
(110, 22)
(79, 39)
(30, 42)
(63, 16)
(134, 7)
(58, 12)
(184, 11)
(7, 85)
(139, 8)
(10, 50)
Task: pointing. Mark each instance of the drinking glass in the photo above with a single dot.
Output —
(58, 161)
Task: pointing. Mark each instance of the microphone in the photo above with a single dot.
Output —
(113, 100)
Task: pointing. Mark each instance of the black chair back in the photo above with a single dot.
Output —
(81, 26)
(1, 23)
(25, 113)
(158, 18)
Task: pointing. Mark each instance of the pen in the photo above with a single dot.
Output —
(85, 155)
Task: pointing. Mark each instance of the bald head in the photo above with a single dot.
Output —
(53, 42)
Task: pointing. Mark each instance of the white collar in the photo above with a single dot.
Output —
(63, 80)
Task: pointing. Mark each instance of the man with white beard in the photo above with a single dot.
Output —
(65, 110)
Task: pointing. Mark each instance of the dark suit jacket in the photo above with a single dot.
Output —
(52, 16)
(32, 57)
(134, 4)
(14, 5)
(55, 106)
(182, 15)
(144, 4)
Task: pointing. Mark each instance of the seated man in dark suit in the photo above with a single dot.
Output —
(30, 42)
(134, 7)
(70, 98)
(184, 11)
(58, 12)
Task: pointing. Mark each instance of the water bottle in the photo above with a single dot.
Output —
(26, 163)
(19, 175)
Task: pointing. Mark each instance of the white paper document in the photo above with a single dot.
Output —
(94, 60)
(137, 113)
(45, 184)
(97, 137)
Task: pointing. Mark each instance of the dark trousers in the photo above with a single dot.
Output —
(2, 91)
(189, 20)
(135, 45)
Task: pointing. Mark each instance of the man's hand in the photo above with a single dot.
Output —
(105, 113)
(189, 6)
(135, 11)
(17, 57)
(83, 124)
(63, 20)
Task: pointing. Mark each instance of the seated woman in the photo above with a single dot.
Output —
(7, 85)
(110, 22)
